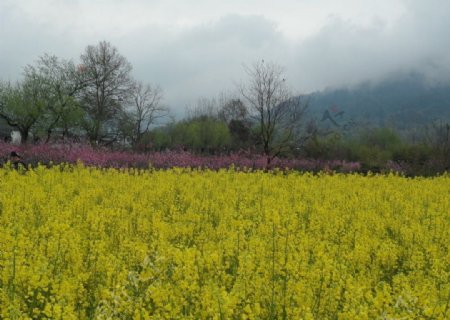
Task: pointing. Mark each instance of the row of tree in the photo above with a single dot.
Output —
(209, 131)
(98, 100)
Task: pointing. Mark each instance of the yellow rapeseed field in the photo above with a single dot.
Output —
(86, 243)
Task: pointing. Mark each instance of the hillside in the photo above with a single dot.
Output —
(400, 101)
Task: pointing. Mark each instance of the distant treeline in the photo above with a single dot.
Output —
(97, 102)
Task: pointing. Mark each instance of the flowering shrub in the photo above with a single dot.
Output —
(73, 153)
(90, 243)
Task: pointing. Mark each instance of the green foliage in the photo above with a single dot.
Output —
(160, 138)
(323, 147)
(383, 138)
(413, 154)
(58, 83)
(241, 134)
(375, 147)
(203, 134)
(22, 105)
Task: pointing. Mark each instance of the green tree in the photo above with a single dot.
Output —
(203, 134)
(59, 82)
(22, 105)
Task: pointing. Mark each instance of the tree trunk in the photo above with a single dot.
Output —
(49, 135)
(269, 161)
(24, 133)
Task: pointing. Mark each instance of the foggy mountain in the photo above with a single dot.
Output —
(402, 101)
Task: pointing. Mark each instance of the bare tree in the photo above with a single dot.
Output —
(233, 110)
(205, 108)
(224, 107)
(107, 91)
(146, 109)
(278, 113)
(234, 113)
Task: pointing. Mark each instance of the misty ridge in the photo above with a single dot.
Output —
(403, 101)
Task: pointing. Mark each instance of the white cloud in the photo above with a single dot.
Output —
(346, 53)
(197, 48)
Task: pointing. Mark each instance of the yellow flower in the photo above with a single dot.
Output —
(79, 242)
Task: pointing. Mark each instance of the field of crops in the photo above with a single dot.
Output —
(84, 243)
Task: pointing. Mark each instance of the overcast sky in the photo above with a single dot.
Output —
(197, 48)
